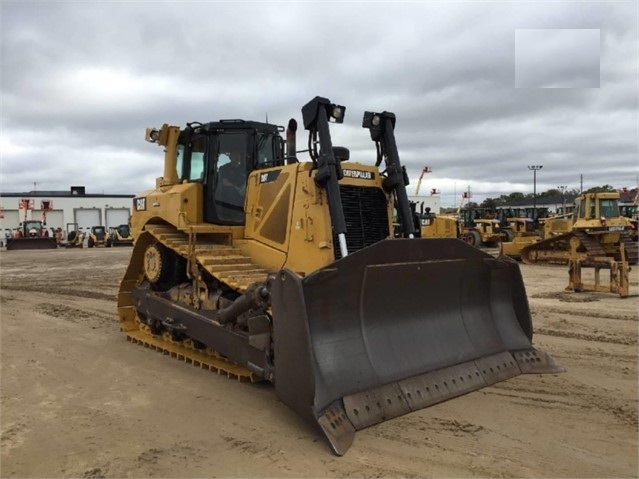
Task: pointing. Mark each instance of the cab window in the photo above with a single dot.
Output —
(609, 208)
(230, 167)
(196, 165)
(581, 208)
(265, 150)
(190, 160)
(179, 166)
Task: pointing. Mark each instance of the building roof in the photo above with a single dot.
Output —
(60, 194)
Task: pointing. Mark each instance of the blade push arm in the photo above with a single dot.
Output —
(382, 128)
(316, 114)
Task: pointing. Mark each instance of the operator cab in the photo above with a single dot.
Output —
(32, 228)
(221, 155)
(124, 231)
(593, 207)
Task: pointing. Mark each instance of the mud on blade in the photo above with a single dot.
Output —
(396, 327)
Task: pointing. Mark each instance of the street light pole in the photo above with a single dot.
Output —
(534, 169)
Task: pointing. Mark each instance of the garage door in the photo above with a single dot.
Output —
(116, 217)
(87, 217)
(55, 218)
(10, 221)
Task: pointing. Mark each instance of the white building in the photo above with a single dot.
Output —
(87, 210)
(73, 206)
(423, 202)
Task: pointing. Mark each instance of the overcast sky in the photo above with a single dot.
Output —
(481, 90)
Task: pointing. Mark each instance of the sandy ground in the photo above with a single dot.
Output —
(78, 400)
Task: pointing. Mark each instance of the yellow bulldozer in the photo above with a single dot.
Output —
(595, 229)
(556, 225)
(259, 265)
(518, 232)
(598, 237)
(432, 225)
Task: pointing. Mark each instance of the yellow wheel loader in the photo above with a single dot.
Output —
(478, 228)
(262, 266)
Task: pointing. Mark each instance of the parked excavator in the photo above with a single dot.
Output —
(262, 266)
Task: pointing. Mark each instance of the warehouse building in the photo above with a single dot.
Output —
(64, 208)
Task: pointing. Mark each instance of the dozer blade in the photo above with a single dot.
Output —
(31, 243)
(396, 327)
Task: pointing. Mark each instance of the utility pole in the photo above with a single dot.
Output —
(534, 169)
(563, 201)
(455, 195)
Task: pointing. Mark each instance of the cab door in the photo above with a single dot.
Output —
(223, 205)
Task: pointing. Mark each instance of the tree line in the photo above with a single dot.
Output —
(506, 200)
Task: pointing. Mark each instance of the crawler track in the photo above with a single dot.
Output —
(225, 263)
(631, 247)
(556, 250)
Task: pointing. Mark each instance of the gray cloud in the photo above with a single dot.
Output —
(557, 58)
(81, 81)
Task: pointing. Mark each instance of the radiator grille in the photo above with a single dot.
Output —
(366, 215)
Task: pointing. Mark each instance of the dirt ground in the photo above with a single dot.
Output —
(78, 400)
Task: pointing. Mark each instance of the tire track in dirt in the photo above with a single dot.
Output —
(74, 315)
(572, 396)
(599, 338)
(60, 289)
(568, 297)
(433, 443)
(538, 310)
(601, 354)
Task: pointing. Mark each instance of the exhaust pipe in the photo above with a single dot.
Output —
(291, 147)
